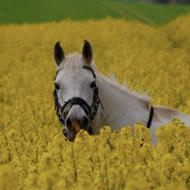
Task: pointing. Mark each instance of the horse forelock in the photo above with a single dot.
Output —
(74, 62)
(74, 59)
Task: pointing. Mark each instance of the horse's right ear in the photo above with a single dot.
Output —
(59, 54)
(87, 52)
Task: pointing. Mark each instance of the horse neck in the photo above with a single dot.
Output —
(120, 106)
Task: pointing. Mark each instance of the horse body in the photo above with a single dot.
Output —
(125, 108)
(82, 90)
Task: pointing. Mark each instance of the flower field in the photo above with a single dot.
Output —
(33, 152)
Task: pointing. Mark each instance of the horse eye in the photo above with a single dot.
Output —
(93, 84)
(57, 87)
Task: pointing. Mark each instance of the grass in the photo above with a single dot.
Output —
(157, 13)
(21, 11)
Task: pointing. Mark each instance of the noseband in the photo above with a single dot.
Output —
(90, 110)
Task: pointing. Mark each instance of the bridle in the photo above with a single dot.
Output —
(90, 110)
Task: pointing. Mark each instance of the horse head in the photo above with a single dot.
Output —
(76, 94)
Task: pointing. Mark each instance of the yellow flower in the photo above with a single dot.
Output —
(34, 154)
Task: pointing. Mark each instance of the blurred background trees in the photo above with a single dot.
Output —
(171, 1)
(158, 1)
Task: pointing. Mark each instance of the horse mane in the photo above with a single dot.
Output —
(123, 88)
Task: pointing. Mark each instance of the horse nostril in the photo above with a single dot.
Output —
(85, 122)
(69, 123)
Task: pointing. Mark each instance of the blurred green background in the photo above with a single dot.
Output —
(149, 11)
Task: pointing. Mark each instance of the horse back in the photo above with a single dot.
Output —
(164, 115)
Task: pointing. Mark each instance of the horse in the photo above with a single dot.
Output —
(86, 99)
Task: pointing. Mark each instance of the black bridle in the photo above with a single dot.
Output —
(90, 110)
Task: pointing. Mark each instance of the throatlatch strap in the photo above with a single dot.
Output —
(150, 117)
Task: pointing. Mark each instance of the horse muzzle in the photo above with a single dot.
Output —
(74, 125)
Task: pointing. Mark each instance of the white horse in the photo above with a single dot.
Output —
(85, 99)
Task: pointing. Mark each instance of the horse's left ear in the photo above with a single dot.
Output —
(87, 52)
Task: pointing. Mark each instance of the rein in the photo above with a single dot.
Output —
(90, 110)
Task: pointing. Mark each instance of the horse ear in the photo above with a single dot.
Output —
(59, 54)
(87, 52)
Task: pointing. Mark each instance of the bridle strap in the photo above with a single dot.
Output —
(150, 117)
(75, 101)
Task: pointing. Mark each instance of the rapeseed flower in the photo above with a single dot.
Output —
(34, 154)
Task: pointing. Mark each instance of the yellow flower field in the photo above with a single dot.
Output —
(33, 152)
